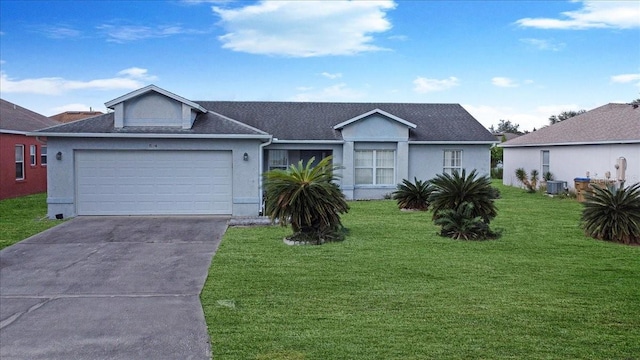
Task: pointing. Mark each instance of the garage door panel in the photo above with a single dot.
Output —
(153, 182)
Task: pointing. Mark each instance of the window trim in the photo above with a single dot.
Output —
(21, 161)
(451, 168)
(33, 153)
(271, 166)
(374, 167)
(43, 155)
(542, 164)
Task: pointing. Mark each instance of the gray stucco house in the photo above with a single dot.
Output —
(159, 153)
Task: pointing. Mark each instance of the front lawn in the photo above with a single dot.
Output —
(22, 217)
(396, 290)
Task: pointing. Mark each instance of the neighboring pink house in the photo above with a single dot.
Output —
(23, 159)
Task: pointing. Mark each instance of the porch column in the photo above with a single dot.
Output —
(402, 161)
(347, 181)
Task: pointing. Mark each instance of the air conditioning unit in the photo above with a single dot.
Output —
(555, 187)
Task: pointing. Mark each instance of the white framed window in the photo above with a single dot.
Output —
(544, 162)
(452, 160)
(43, 155)
(375, 167)
(32, 155)
(278, 159)
(19, 162)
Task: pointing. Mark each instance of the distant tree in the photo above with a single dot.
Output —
(554, 119)
(636, 101)
(506, 126)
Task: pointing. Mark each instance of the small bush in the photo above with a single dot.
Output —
(613, 216)
(497, 173)
(413, 196)
(532, 183)
(459, 224)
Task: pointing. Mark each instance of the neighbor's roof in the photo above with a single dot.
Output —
(316, 121)
(69, 116)
(16, 119)
(611, 123)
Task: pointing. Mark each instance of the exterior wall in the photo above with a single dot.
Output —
(62, 173)
(35, 177)
(375, 128)
(426, 161)
(571, 161)
(153, 109)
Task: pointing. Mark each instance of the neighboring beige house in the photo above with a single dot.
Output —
(587, 145)
(69, 116)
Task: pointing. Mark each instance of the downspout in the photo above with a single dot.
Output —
(261, 171)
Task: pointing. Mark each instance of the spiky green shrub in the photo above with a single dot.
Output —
(613, 215)
(460, 224)
(463, 205)
(413, 196)
(450, 191)
(306, 197)
(532, 183)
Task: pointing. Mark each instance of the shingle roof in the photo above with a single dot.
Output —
(16, 118)
(304, 121)
(315, 121)
(605, 124)
(69, 116)
(208, 123)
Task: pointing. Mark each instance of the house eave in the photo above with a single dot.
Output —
(13, 132)
(152, 135)
(453, 142)
(278, 141)
(375, 111)
(146, 89)
(609, 142)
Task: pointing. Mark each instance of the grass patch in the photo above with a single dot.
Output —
(394, 289)
(23, 217)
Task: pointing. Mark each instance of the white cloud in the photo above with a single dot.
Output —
(592, 15)
(58, 85)
(137, 73)
(59, 32)
(304, 28)
(339, 93)
(556, 109)
(504, 82)
(544, 44)
(127, 33)
(424, 85)
(626, 78)
(331, 76)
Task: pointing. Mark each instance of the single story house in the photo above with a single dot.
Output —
(23, 159)
(595, 144)
(159, 153)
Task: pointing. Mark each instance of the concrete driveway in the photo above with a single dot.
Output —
(108, 287)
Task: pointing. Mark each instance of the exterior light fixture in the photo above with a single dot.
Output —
(245, 157)
(59, 155)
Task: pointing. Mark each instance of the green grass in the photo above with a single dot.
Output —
(22, 217)
(396, 290)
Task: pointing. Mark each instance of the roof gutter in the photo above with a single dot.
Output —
(609, 142)
(453, 142)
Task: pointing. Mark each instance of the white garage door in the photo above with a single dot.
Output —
(153, 182)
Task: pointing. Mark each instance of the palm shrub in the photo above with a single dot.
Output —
(460, 224)
(413, 196)
(613, 215)
(306, 197)
(530, 184)
(463, 205)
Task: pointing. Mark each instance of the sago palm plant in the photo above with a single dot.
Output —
(413, 196)
(613, 215)
(450, 191)
(306, 197)
(460, 224)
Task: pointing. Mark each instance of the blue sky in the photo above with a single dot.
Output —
(521, 61)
